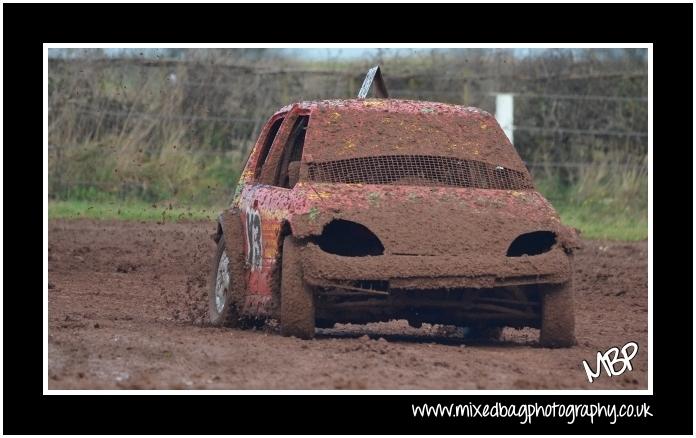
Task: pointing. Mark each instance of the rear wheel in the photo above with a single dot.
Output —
(485, 333)
(297, 316)
(557, 316)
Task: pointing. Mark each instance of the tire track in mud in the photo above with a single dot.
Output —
(127, 306)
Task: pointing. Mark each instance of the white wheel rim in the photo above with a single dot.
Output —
(222, 282)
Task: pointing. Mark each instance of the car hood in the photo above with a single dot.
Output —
(419, 220)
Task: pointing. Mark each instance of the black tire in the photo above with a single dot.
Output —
(485, 333)
(228, 314)
(297, 315)
(557, 316)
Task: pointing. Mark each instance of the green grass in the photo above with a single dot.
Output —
(129, 210)
(602, 224)
(615, 208)
(594, 222)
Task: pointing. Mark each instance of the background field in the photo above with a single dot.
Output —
(162, 135)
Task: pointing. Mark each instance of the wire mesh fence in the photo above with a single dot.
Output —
(155, 128)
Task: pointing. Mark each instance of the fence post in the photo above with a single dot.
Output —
(504, 113)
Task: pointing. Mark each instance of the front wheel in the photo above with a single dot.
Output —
(557, 316)
(226, 287)
(297, 317)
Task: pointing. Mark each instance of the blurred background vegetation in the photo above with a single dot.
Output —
(163, 133)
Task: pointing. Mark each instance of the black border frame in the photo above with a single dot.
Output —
(26, 27)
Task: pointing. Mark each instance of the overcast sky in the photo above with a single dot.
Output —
(328, 53)
(318, 53)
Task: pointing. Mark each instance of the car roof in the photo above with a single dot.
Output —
(342, 131)
(391, 105)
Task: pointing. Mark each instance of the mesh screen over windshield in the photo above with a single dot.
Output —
(419, 170)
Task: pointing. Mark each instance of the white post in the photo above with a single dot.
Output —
(504, 111)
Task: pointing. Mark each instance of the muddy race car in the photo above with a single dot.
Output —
(369, 210)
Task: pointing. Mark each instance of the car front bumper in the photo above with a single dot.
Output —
(412, 272)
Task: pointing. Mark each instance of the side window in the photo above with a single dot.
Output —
(266, 147)
(289, 171)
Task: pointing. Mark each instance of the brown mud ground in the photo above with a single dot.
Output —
(127, 302)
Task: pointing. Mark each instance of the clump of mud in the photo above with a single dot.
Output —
(126, 267)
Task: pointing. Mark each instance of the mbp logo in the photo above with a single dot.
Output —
(254, 244)
(609, 359)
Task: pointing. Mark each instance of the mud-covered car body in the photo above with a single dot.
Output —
(402, 209)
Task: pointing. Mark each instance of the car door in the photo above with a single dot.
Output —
(264, 206)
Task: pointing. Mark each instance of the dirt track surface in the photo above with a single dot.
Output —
(127, 303)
